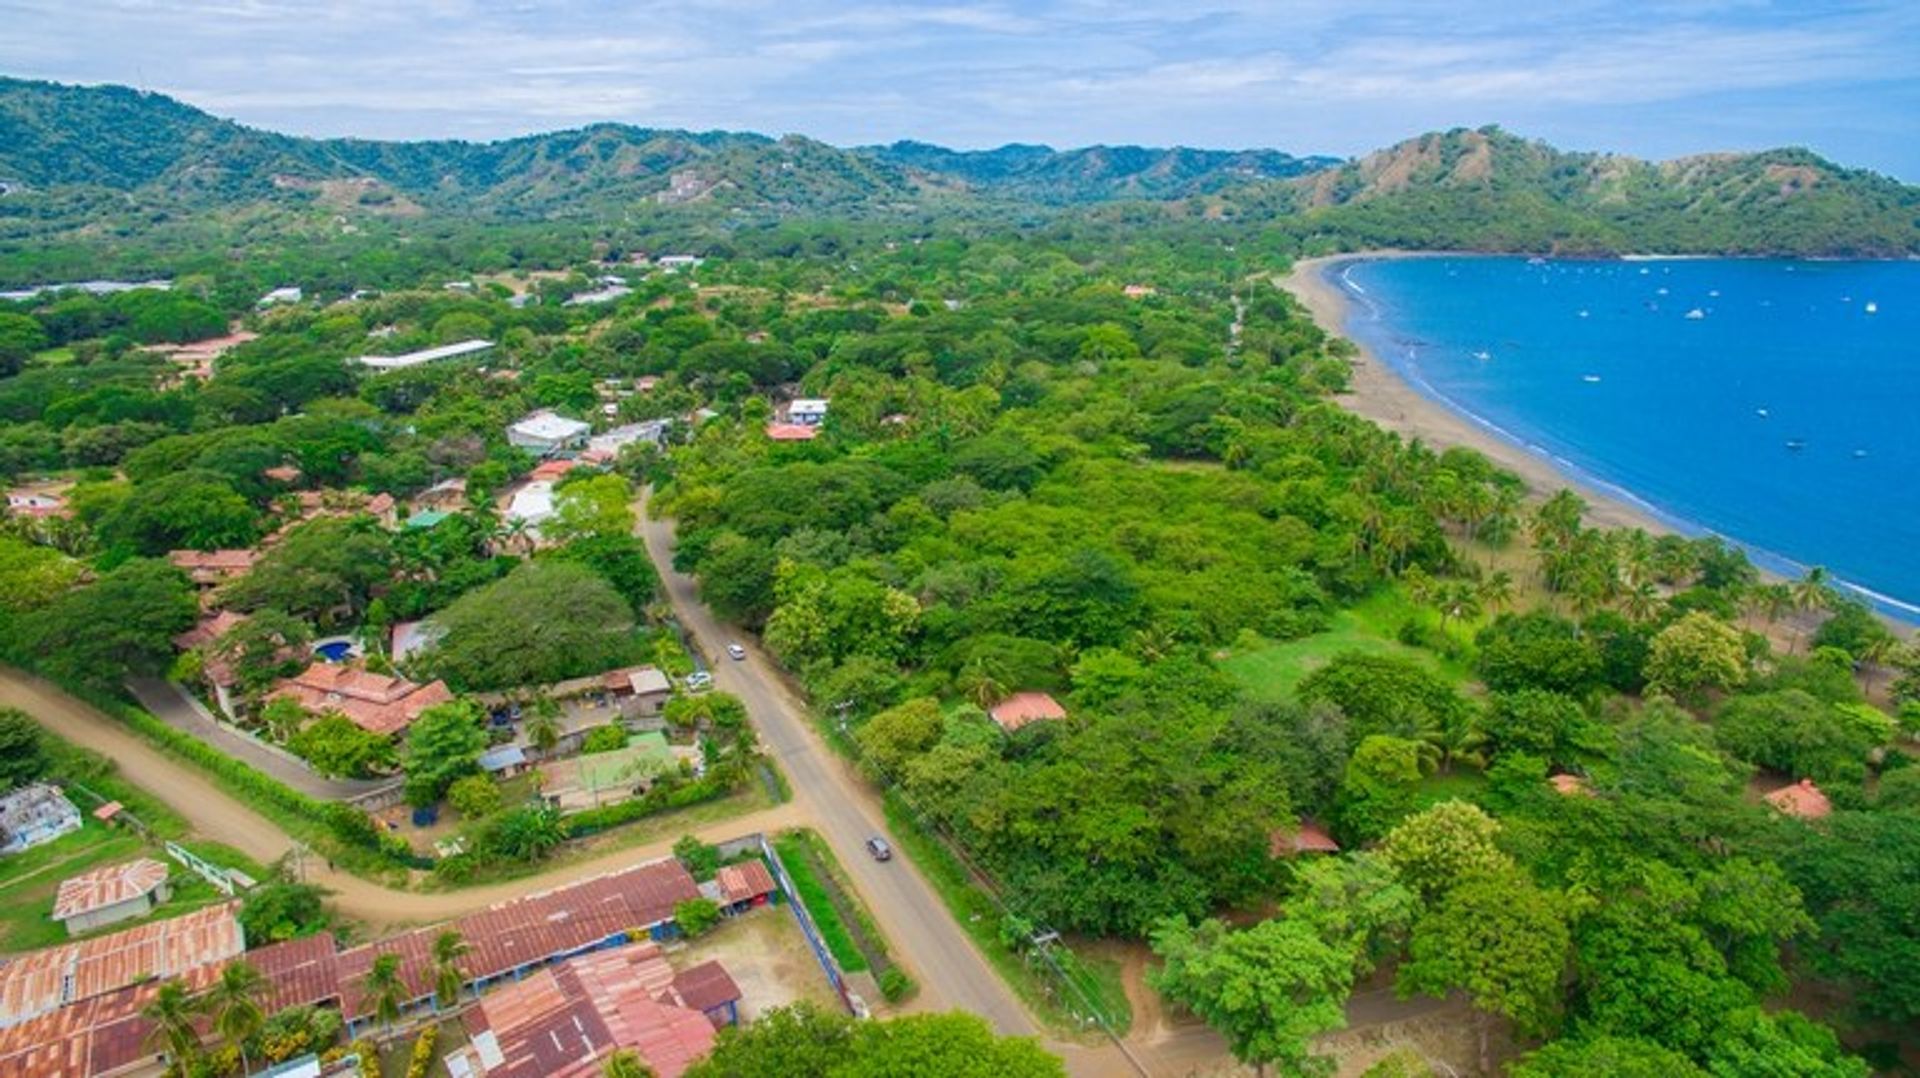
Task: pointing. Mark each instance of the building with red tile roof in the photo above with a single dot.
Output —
(745, 884)
(1025, 707)
(209, 567)
(377, 703)
(792, 432)
(1802, 799)
(1308, 837)
(110, 893)
(209, 630)
(1571, 785)
(561, 1022)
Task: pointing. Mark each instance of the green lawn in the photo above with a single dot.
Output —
(1272, 670)
(31, 878)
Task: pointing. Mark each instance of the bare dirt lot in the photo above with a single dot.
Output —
(768, 958)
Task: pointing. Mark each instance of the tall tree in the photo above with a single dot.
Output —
(174, 1012)
(386, 989)
(235, 1000)
(1269, 989)
(449, 947)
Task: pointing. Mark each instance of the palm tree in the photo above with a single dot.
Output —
(983, 682)
(1811, 592)
(235, 1002)
(1874, 655)
(625, 1063)
(449, 948)
(385, 987)
(1640, 603)
(543, 725)
(173, 1012)
(1496, 591)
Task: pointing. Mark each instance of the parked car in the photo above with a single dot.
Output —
(737, 652)
(699, 681)
(879, 848)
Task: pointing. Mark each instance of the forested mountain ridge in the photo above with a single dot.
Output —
(1092, 173)
(1486, 188)
(75, 156)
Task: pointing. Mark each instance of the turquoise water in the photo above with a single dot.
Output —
(1775, 403)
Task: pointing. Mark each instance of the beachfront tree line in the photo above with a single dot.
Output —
(1050, 485)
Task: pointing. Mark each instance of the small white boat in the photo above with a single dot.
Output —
(1589, 378)
(1584, 314)
(1858, 453)
(1872, 307)
(1713, 294)
(1483, 356)
(1696, 315)
(1659, 291)
(1762, 412)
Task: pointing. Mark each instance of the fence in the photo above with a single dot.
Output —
(206, 869)
(819, 946)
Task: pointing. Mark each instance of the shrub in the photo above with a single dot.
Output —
(609, 738)
(696, 916)
(474, 796)
(702, 860)
(422, 1059)
(895, 985)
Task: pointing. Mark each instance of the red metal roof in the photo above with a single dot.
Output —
(747, 880)
(1310, 837)
(44, 980)
(792, 432)
(108, 885)
(1802, 799)
(705, 987)
(1024, 707)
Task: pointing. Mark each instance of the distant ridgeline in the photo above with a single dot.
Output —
(144, 162)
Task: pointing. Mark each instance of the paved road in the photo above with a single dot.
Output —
(177, 708)
(846, 811)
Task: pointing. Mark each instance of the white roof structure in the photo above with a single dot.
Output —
(532, 503)
(91, 288)
(288, 294)
(425, 355)
(603, 295)
(649, 679)
(549, 426)
(619, 438)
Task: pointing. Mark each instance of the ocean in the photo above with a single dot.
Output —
(1775, 403)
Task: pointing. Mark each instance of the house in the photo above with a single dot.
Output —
(448, 495)
(466, 349)
(807, 411)
(532, 505)
(208, 568)
(35, 503)
(411, 637)
(552, 471)
(605, 294)
(791, 432)
(546, 432)
(1802, 799)
(1570, 785)
(1022, 708)
(1308, 837)
(741, 887)
(639, 690)
(33, 815)
(606, 446)
(283, 473)
(561, 1022)
(676, 263)
(288, 294)
(503, 761)
(376, 703)
(425, 519)
(218, 672)
(1138, 291)
(110, 893)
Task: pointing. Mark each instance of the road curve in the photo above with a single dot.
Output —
(216, 815)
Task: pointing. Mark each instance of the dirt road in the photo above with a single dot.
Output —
(215, 814)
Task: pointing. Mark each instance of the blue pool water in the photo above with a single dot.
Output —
(1775, 403)
(334, 650)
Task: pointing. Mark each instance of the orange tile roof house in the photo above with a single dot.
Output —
(561, 1021)
(209, 567)
(792, 432)
(110, 893)
(1025, 707)
(376, 703)
(1309, 837)
(1802, 799)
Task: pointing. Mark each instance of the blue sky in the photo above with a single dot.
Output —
(1657, 79)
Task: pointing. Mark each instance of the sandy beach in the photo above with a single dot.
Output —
(1379, 394)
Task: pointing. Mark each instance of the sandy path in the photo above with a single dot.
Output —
(218, 816)
(1380, 395)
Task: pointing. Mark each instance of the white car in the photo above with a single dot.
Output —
(737, 652)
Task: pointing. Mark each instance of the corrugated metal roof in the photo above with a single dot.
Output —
(106, 886)
(39, 982)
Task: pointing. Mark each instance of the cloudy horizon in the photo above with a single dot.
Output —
(1664, 79)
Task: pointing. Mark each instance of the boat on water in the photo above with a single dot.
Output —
(1589, 378)
(1796, 444)
(1584, 314)
(1483, 355)
(1858, 453)
(1872, 307)
(1696, 315)
(1762, 412)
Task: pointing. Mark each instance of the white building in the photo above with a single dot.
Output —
(461, 350)
(607, 445)
(675, 263)
(289, 294)
(532, 504)
(547, 431)
(606, 294)
(808, 411)
(33, 815)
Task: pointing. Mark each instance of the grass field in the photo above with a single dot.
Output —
(1273, 670)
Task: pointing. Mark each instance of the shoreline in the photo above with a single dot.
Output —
(1378, 393)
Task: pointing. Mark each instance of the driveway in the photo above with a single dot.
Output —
(177, 708)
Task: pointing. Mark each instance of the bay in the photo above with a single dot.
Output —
(1776, 403)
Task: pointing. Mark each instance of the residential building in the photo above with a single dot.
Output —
(547, 432)
(532, 504)
(1022, 708)
(1308, 837)
(608, 778)
(561, 1022)
(641, 691)
(675, 263)
(503, 761)
(34, 815)
(448, 495)
(42, 981)
(376, 703)
(35, 503)
(218, 672)
(111, 893)
(208, 568)
(552, 471)
(1802, 799)
(278, 296)
(605, 447)
(607, 293)
(807, 411)
(411, 637)
(792, 432)
(741, 887)
(467, 349)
